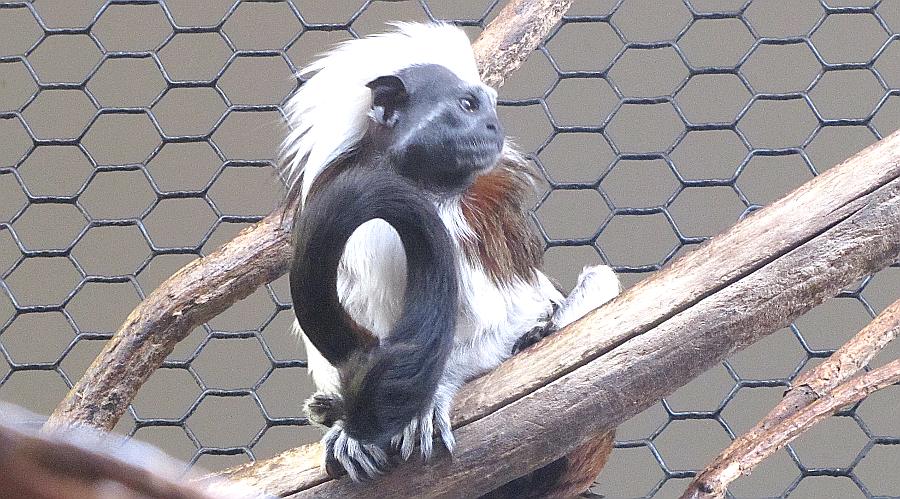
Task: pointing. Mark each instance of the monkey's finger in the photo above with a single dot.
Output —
(332, 466)
(426, 435)
(343, 456)
(531, 337)
(362, 459)
(378, 456)
(442, 421)
(409, 439)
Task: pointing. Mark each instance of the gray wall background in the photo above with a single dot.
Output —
(96, 218)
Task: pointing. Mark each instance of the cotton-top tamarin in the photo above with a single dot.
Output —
(415, 266)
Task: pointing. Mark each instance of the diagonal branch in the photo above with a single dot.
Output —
(260, 254)
(740, 286)
(753, 452)
(195, 294)
(808, 388)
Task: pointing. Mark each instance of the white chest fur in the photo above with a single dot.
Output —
(491, 316)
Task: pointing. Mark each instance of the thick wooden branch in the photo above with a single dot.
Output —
(193, 295)
(809, 387)
(754, 279)
(86, 464)
(260, 254)
(753, 452)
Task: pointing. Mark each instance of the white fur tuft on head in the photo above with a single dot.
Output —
(327, 115)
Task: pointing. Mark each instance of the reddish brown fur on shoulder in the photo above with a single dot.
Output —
(494, 207)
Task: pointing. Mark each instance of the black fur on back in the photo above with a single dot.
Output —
(388, 383)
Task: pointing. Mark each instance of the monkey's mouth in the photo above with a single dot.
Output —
(450, 165)
(479, 155)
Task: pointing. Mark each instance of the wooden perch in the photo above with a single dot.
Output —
(193, 295)
(260, 254)
(810, 386)
(85, 464)
(744, 459)
(514, 34)
(754, 279)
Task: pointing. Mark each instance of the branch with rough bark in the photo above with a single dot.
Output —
(258, 255)
(87, 464)
(738, 287)
(767, 443)
(812, 396)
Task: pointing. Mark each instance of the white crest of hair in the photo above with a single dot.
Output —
(328, 115)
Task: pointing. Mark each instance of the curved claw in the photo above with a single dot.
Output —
(426, 434)
(421, 431)
(442, 422)
(345, 454)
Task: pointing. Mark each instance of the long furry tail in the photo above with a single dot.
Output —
(384, 384)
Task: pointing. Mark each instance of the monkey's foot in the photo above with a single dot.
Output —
(597, 284)
(345, 454)
(324, 409)
(537, 333)
(421, 431)
(531, 337)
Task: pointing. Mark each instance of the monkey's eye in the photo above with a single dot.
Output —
(469, 104)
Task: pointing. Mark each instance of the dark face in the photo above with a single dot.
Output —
(436, 129)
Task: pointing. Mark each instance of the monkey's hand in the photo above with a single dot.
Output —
(362, 461)
(324, 408)
(597, 284)
(535, 335)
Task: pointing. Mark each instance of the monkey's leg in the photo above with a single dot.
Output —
(572, 474)
(325, 406)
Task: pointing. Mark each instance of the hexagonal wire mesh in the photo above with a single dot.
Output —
(138, 135)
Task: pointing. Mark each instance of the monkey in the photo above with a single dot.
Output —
(415, 266)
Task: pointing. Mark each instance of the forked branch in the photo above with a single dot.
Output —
(823, 381)
(767, 443)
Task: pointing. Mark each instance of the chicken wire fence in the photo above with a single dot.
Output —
(139, 135)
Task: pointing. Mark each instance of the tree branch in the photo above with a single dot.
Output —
(754, 279)
(806, 389)
(193, 295)
(752, 452)
(260, 254)
(84, 464)
(514, 34)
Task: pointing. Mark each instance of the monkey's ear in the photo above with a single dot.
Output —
(388, 93)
